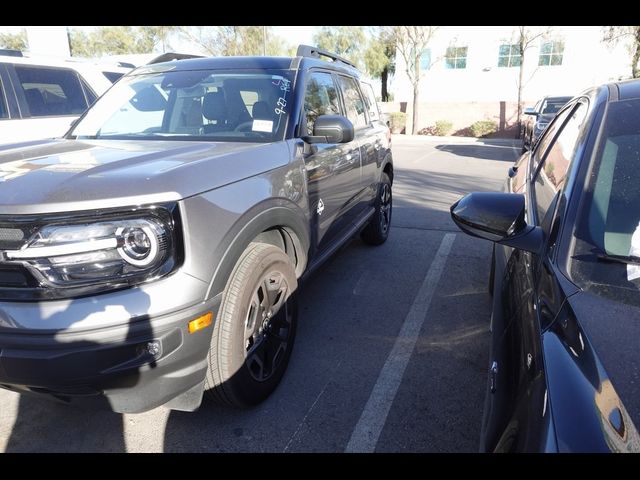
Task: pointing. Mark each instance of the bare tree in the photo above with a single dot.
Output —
(235, 40)
(525, 38)
(410, 43)
(613, 34)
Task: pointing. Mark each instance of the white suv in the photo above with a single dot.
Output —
(40, 97)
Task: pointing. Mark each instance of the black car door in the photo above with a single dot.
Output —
(531, 297)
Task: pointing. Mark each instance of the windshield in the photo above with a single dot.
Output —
(551, 106)
(235, 105)
(606, 258)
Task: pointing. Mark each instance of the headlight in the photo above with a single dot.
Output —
(103, 251)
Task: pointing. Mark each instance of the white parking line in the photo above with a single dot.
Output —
(367, 431)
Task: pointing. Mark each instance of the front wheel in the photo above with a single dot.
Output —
(254, 332)
(377, 231)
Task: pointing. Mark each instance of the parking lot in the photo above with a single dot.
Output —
(391, 349)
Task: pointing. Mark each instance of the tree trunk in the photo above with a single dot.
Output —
(416, 95)
(384, 77)
(635, 71)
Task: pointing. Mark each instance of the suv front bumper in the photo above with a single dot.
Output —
(127, 366)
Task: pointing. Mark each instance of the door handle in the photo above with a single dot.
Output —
(493, 377)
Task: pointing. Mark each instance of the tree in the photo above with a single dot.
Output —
(346, 42)
(524, 39)
(379, 57)
(410, 43)
(116, 40)
(613, 34)
(236, 40)
(14, 41)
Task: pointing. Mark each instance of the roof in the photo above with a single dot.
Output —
(628, 89)
(66, 62)
(275, 63)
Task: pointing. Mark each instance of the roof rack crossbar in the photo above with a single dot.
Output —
(315, 52)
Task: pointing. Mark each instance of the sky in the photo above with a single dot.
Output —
(40, 37)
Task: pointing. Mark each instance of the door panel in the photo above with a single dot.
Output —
(333, 170)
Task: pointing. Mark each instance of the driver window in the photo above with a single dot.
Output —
(321, 98)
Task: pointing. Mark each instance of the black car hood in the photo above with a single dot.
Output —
(593, 374)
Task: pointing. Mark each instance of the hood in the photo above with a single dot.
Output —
(64, 175)
(593, 373)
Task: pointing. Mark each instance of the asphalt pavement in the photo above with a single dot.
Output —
(391, 349)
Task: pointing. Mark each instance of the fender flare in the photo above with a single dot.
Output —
(264, 216)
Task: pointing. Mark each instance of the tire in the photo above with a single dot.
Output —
(377, 231)
(255, 329)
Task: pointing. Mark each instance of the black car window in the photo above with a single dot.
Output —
(547, 137)
(113, 77)
(353, 102)
(51, 91)
(4, 113)
(607, 234)
(551, 175)
(321, 98)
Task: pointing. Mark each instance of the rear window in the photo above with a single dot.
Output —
(51, 91)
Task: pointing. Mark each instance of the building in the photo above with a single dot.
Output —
(471, 73)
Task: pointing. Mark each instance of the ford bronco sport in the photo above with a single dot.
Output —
(156, 250)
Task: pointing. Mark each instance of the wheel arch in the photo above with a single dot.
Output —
(275, 224)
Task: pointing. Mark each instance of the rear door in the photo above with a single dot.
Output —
(375, 142)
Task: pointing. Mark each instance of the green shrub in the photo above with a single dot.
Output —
(443, 128)
(482, 128)
(398, 120)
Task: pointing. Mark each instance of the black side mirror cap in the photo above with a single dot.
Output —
(498, 217)
(331, 129)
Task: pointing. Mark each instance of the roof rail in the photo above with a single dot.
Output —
(10, 53)
(167, 57)
(315, 52)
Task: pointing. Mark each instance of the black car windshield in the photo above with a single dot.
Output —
(230, 105)
(551, 106)
(606, 258)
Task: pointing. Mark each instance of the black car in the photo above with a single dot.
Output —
(564, 368)
(537, 119)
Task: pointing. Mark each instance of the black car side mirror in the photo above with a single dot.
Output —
(331, 129)
(498, 217)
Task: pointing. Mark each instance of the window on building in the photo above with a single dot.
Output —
(551, 53)
(509, 55)
(425, 59)
(456, 57)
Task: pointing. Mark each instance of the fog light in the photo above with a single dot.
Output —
(153, 348)
(201, 322)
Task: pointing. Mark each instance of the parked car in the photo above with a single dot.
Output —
(565, 277)
(537, 118)
(41, 96)
(157, 249)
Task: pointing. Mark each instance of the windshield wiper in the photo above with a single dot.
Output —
(609, 257)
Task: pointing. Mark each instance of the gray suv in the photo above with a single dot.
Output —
(155, 252)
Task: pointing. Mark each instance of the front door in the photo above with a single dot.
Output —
(333, 170)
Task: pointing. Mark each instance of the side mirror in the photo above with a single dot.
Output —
(331, 129)
(530, 111)
(498, 217)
